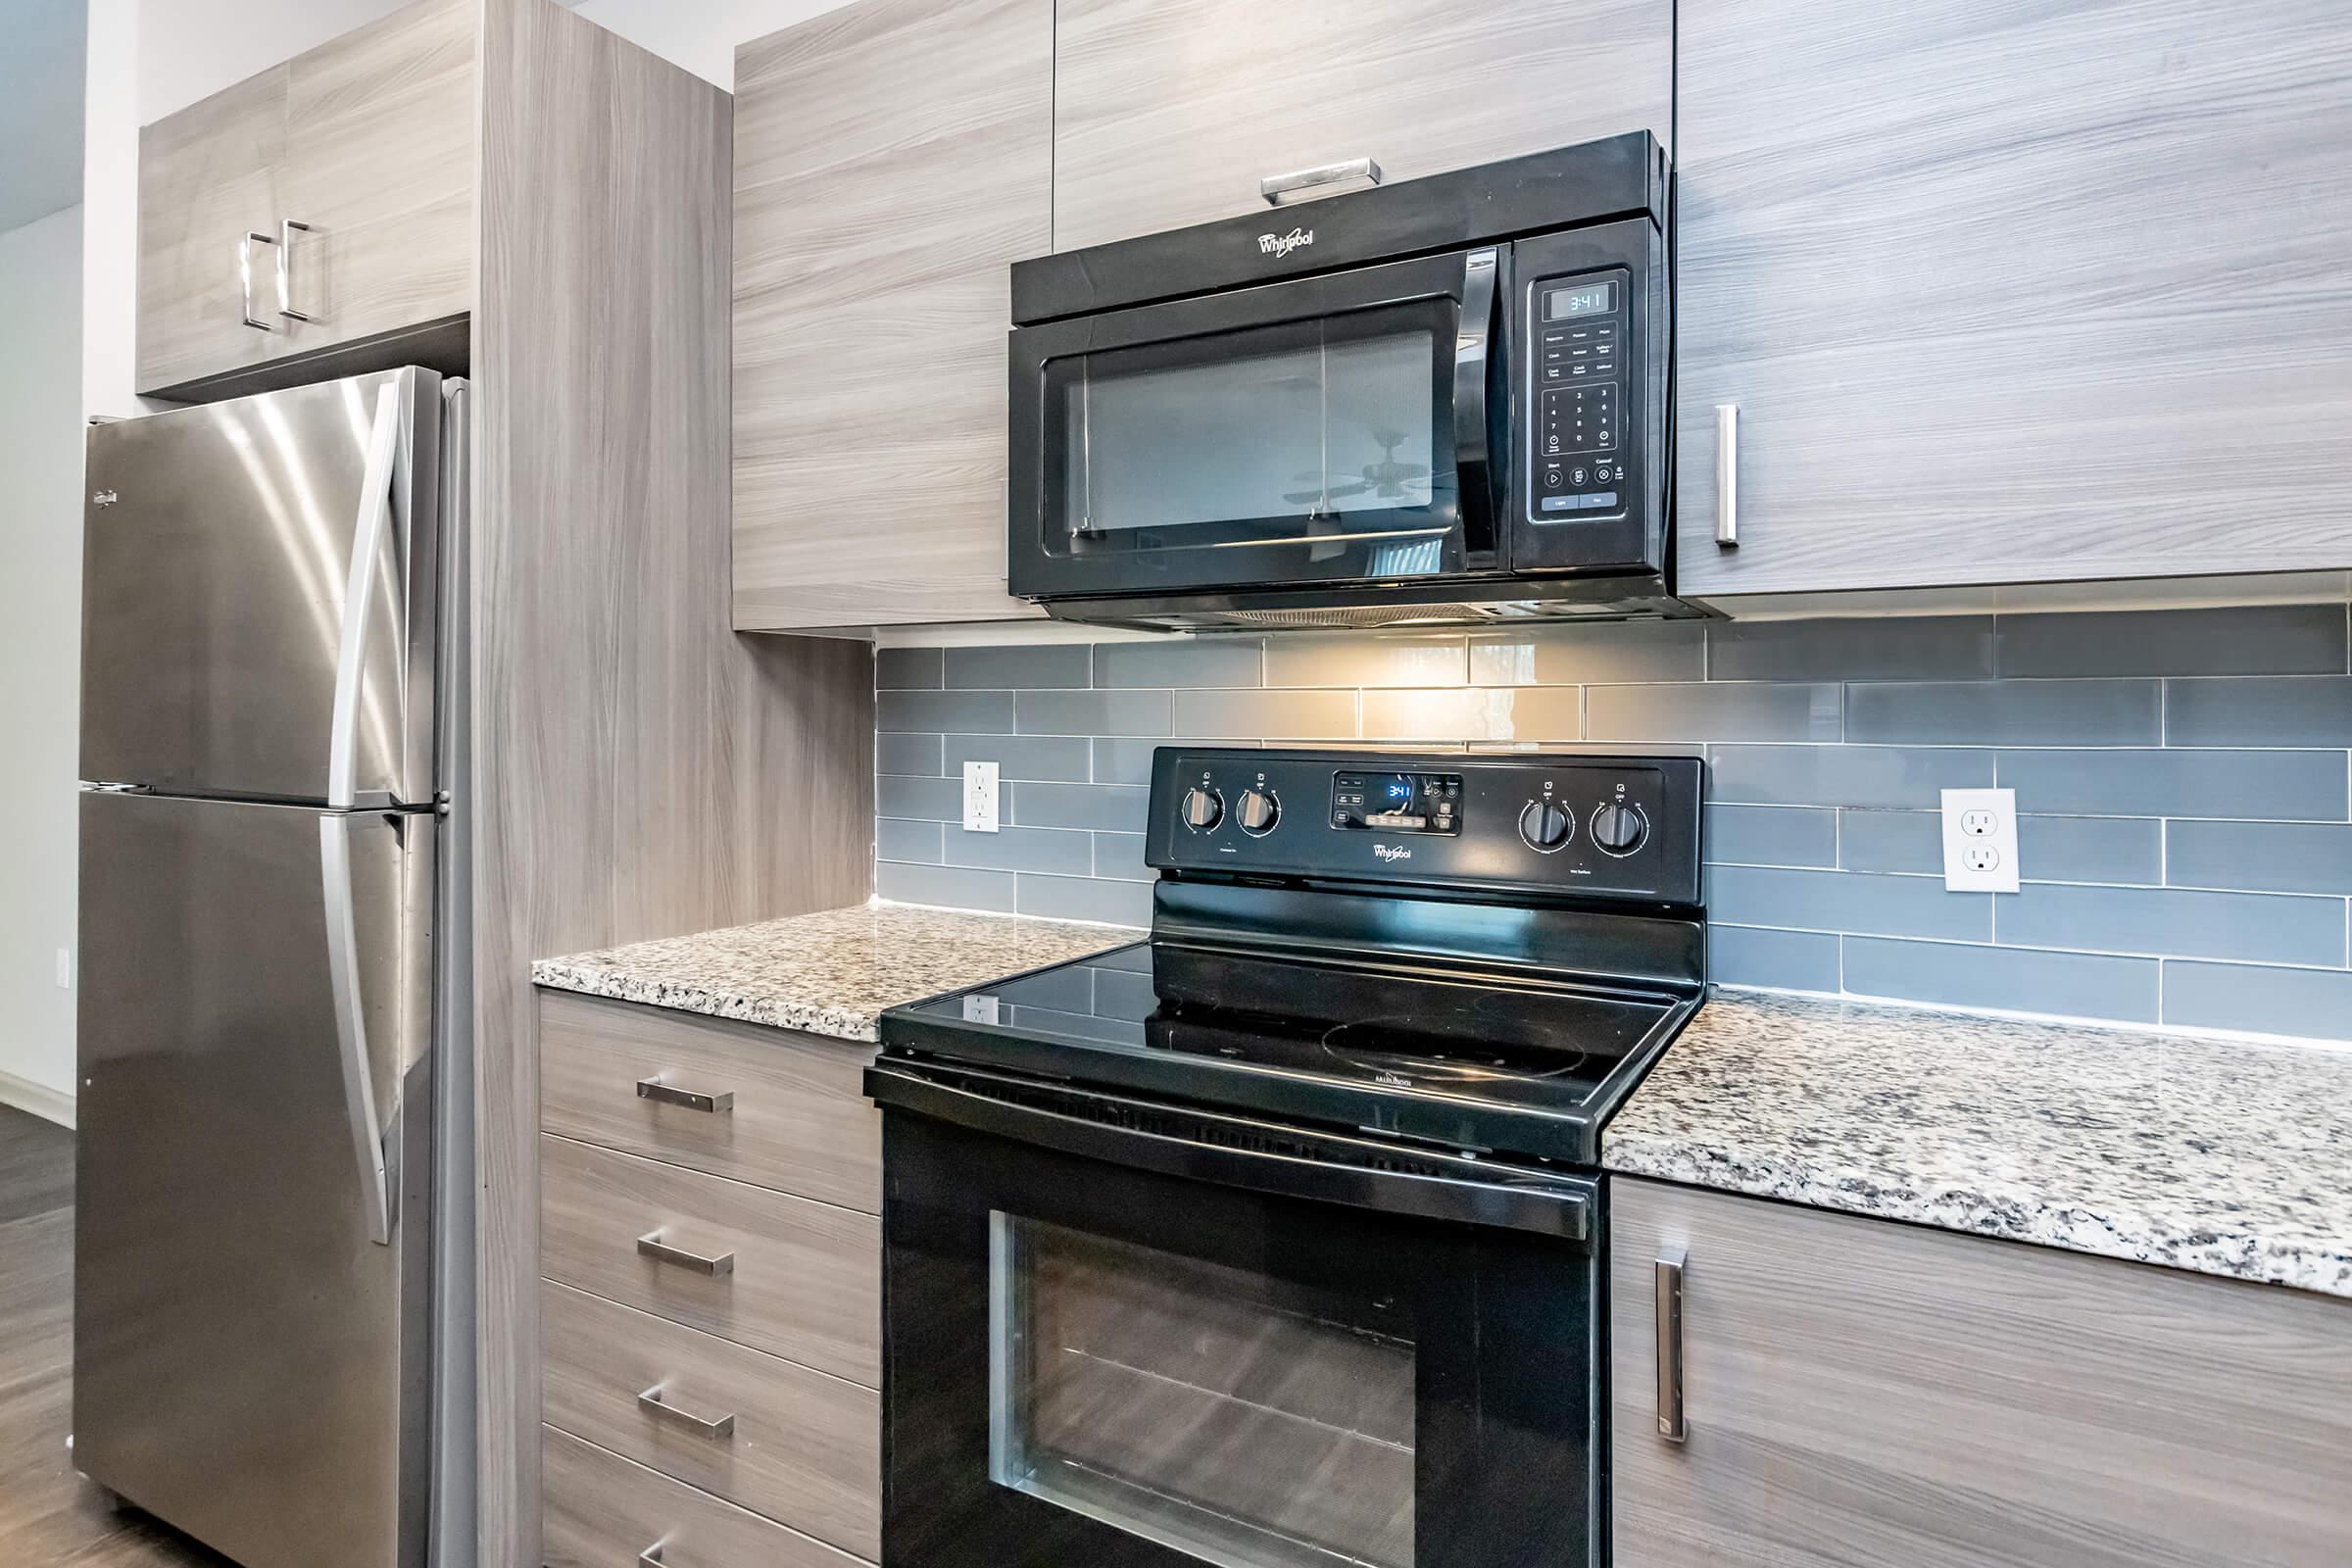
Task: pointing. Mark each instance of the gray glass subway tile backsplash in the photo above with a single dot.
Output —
(2183, 779)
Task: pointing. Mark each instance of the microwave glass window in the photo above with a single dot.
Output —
(1254, 425)
(1246, 1420)
(1582, 299)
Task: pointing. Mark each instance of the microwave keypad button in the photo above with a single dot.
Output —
(1563, 503)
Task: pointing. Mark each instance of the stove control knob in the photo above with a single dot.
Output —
(1544, 826)
(1202, 809)
(1619, 828)
(1258, 811)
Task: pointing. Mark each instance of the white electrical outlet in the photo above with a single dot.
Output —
(64, 968)
(980, 798)
(1979, 840)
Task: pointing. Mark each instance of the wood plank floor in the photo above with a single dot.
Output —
(49, 1516)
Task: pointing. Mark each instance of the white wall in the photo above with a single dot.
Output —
(699, 36)
(40, 651)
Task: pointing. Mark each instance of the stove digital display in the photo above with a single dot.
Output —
(1397, 803)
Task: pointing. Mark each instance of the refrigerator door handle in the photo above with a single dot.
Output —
(351, 1024)
(359, 592)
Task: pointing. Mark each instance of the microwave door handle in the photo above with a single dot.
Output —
(1473, 453)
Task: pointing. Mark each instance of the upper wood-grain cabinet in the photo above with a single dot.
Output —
(1169, 112)
(357, 159)
(2008, 291)
(1861, 1394)
(893, 159)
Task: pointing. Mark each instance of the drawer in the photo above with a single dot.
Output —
(604, 1511)
(803, 1280)
(798, 1121)
(800, 1448)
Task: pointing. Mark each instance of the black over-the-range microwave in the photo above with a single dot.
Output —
(1440, 401)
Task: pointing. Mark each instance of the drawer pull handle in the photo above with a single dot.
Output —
(1671, 1425)
(654, 1089)
(245, 278)
(652, 1403)
(1274, 187)
(651, 1246)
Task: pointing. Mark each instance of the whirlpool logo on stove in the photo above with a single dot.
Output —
(1280, 245)
(1392, 852)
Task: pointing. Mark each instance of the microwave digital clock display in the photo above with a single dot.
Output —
(1587, 298)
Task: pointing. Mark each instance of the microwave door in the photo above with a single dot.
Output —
(1307, 432)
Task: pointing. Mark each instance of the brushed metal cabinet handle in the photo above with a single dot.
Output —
(1671, 1425)
(287, 229)
(245, 278)
(1727, 475)
(653, 1404)
(651, 1246)
(654, 1089)
(1274, 187)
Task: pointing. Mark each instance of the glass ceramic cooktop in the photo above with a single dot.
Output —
(1506, 1042)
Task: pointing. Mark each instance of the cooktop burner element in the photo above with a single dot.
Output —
(1502, 996)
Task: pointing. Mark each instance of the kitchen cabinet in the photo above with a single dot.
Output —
(893, 159)
(347, 172)
(1168, 113)
(1870, 1394)
(2007, 291)
(749, 1316)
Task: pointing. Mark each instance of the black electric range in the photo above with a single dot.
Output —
(1348, 1095)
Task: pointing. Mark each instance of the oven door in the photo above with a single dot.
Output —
(1132, 1337)
(1333, 429)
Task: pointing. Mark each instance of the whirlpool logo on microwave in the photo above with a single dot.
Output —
(1392, 852)
(1280, 245)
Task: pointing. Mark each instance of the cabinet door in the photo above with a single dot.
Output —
(209, 175)
(2013, 291)
(1169, 112)
(380, 139)
(1866, 1395)
(893, 159)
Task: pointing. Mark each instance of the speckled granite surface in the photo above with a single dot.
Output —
(2217, 1157)
(830, 973)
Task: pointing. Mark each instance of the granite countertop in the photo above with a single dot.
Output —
(830, 973)
(2220, 1157)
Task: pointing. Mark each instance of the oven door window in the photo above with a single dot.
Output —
(1226, 1414)
(1327, 438)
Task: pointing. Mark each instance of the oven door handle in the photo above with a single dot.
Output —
(1561, 1207)
(1474, 456)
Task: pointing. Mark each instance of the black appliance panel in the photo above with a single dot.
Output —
(1552, 826)
(1465, 1351)
(1591, 474)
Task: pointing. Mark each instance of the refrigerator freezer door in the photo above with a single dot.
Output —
(249, 1364)
(217, 561)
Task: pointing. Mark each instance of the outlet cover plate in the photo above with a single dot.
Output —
(1979, 840)
(980, 797)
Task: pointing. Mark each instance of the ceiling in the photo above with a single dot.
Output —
(41, 82)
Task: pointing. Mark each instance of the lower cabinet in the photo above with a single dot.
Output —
(1871, 1394)
(711, 1293)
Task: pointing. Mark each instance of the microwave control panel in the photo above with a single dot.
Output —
(1580, 342)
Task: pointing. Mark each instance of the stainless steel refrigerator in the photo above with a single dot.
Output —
(272, 1275)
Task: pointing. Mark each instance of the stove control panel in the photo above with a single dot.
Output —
(1395, 803)
(1601, 826)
